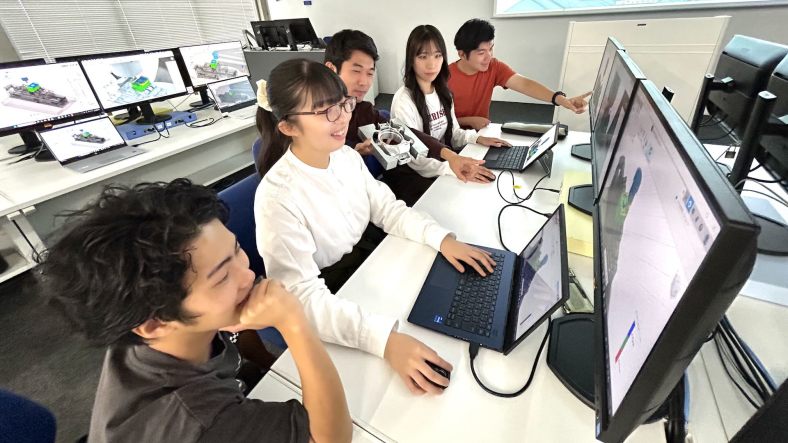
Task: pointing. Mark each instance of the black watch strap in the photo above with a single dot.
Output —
(555, 95)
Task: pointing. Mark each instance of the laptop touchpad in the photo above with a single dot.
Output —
(492, 154)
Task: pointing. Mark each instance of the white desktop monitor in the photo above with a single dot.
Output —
(125, 80)
(33, 94)
(667, 223)
(602, 77)
(214, 62)
(82, 139)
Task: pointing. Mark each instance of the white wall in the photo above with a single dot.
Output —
(534, 47)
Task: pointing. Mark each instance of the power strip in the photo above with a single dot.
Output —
(132, 130)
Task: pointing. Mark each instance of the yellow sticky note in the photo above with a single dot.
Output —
(579, 226)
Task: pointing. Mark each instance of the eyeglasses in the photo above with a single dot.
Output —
(332, 112)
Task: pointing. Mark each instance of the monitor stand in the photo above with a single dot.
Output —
(149, 117)
(582, 151)
(204, 102)
(570, 355)
(31, 143)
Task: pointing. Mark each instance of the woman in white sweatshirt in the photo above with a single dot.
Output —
(315, 203)
(425, 101)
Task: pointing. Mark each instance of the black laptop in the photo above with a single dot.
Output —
(517, 158)
(499, 310)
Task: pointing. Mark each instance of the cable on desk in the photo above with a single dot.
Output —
(210, 120)
(473, 351)
(717, 138)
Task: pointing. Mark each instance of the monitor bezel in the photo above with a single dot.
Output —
(696, 314)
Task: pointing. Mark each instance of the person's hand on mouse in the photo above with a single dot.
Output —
(468, 169)
(408, 357)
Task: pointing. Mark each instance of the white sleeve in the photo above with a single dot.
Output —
(403, 108)
(430, 167)
(396, 218)
(461, 137)
(287, 248)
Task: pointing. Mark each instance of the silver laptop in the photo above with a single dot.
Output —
(235, 97)
(87, 145)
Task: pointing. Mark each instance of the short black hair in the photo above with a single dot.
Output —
(123, 258)
(473, 33)
(342, 44)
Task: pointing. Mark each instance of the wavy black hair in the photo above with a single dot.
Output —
(418, 40)
(289, 86)
(123, 258)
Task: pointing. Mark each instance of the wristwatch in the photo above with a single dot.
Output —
(555, 95)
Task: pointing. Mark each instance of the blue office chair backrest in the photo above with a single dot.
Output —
(239, 198)
(256, 147)
(23, 420)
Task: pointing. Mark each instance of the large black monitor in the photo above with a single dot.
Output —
(774, 155)
(748, 62)
(34, 95)
(135, 79)
(611, 47)
(613, 109)
(286, 34)
(667, 223)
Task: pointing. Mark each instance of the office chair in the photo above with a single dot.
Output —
(239, 199)
(23, 420)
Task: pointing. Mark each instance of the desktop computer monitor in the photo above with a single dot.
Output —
(271, 35)
(613, 106)
(303, 33)
(34, 95)
(774, 155)
(667, 221)
(136, 79)
(602, 75)
(749, 62)
(213, 62)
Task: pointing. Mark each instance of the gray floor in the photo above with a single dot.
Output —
(43, 361)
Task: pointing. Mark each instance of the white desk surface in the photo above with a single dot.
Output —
(389, 281)
(30, 182)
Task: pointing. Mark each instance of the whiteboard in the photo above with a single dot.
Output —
(671, 52)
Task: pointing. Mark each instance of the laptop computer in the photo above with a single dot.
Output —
(235, 97)
(498, 311)
(87, 145)
(517, 158)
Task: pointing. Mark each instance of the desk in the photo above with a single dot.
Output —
(464, 412)
(34, 192)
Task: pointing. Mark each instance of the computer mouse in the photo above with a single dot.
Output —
(440, 371)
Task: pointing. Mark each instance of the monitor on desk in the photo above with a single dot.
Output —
(611, 47)
(613, 109)
(136, 79)
(34, 95)
(774, 155)
(213, 62)
(287, 34)
(748, 62)
(667, 222)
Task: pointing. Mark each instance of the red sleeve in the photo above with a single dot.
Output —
(502, 72)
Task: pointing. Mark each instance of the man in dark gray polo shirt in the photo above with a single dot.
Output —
(152, 272)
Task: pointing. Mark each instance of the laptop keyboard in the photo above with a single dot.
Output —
(512, 158)
(474, 300)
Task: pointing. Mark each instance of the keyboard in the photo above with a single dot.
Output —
(473, 305)
(511, 158)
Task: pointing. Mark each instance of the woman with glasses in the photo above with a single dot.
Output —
(316, 210)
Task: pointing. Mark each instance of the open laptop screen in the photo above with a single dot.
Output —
(83, 139)
(539, 278)
(545, 142)
(233, 94)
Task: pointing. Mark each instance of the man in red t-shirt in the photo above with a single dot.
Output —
(474, 76)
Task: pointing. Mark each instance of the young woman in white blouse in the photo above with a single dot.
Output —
(314, 205)
(425, 102)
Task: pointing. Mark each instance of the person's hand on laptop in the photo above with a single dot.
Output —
(493, 142)
(469, 169)
(457, 252)
(408, 357)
